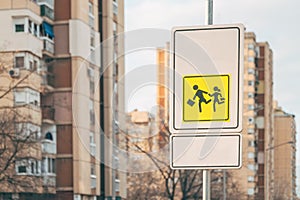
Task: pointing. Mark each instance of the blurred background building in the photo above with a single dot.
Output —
(53, 70)
(284, 154)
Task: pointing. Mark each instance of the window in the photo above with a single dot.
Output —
(27, 167)
(91, 16)
(93, 176)
(92, 144)
(251, 83)
(250, 191)
(91, 73)
(26, 96)
(93, 182)
(49, 136)
(92, 40)
(251, 131)
(91, 8)
(250, 178)
(251, 59)
(92, 112)
(51, 165)
(114, 28)
(251, 143)
(19, 28)
(250, 107)
(250, 120)
(93, 169)
(48, 165)
(19, 62)
(92, 87)
(115, 7)
(22, 169)
(251, 95)
(251, 155)
(251, 46)
(30, 29)
(251, 167)
(251, 71)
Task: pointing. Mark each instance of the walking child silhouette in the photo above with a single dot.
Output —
(217, 97)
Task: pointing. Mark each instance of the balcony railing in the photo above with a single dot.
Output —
(48, 147)
(49, 180)
(48, 45)
(48, 112)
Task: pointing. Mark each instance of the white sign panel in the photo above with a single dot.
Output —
(206, 151)
(207, 79)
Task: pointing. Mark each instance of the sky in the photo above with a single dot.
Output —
(274, 21)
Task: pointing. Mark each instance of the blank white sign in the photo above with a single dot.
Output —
(205, 151)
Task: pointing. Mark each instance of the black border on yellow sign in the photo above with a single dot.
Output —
(200, 76)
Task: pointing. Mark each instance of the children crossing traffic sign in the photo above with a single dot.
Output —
(207, 80)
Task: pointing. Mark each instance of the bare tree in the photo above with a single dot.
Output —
(167, 183)
(17, 143)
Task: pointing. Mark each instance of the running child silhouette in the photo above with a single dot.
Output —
(217, 96)
(199, 93)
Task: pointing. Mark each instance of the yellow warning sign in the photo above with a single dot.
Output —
(206, 98)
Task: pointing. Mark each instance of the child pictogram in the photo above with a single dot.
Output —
(200, 94)
(216, 96)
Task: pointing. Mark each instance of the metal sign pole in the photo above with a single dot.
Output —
(206, 173)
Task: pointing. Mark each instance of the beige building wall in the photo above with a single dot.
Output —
(246, 176)
(284, 155)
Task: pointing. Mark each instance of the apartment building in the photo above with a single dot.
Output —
(265, 120)
(163, 91)
(246, 176)
(284, 154)
(52, 61)
(255, 178)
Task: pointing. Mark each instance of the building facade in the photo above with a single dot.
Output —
(53, 63)
(256, 177)
(284, 155)
(265, 120)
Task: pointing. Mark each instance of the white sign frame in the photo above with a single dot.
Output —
(211, 43)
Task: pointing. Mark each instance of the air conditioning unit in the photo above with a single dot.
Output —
(14, 72)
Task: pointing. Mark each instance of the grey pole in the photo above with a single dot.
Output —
(206, 173)
(208, 12)
(224, 184)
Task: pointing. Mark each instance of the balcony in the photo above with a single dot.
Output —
(49, 180)
(48, 113)
(48, 147)
(48, 45)
(47, 12)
